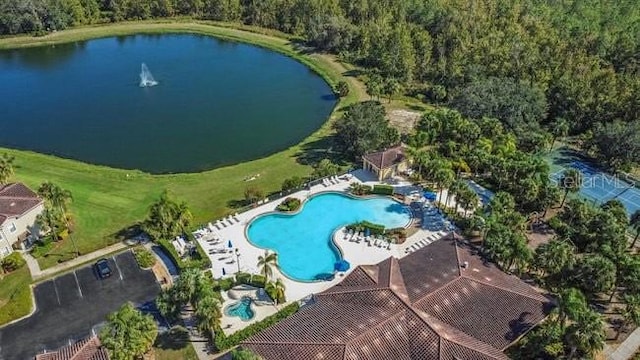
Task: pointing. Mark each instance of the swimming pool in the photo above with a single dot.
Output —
(241, 309)
(303, 241)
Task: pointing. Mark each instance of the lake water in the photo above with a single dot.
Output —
(217, 102)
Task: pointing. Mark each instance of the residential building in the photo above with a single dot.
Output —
(19, 208)
(440, 302)
(86, 349)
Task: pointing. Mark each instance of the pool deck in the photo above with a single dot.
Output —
(355, 253)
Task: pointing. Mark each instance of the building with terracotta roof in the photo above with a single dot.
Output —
(440, 302)
(19, 208)
(86, 349)
(387, 163)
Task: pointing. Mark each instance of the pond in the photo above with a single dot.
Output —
(215, 103)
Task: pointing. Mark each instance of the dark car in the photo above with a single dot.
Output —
(103, 269)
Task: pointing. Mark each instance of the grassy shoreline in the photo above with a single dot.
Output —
(107, 200)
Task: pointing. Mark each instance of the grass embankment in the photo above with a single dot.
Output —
(107, 200)
(15, 295)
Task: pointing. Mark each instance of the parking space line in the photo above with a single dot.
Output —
(55, 288)
(77, 283)
(117, 267)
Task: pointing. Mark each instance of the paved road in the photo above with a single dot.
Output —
(71, 305)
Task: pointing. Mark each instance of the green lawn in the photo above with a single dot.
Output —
(15, 295)
(107, 200)
(174, 345)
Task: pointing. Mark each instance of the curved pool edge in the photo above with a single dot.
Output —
(333, 243)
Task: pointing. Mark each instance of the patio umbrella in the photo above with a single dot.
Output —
(229, 244)
(367, 232)
(430, 195)
(224, 272)
(342, 265)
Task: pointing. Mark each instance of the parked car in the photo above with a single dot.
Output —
(103, 269)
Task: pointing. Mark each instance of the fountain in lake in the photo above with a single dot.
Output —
(146, 79)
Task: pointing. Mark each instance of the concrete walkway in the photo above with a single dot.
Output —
(627, 349)
(36, 273)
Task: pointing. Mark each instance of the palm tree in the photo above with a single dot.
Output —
(58, 199)
(559, 129)
(468, 199)
(208, 315)
(276, 290)
(56, 196)
(167, 218)
(168, 304)
(571, 304)
(444, 178)
(266, 264)
(570, 183)
(635, 224)
(554, 256)
(6, 168)
(586, 334)
(630, 313)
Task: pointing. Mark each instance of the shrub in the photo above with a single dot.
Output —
(13, 262)
(292, 183)
(224, 342)
(400, 234)
(171, 251)
(289, 204)
(382, 190)
(374, 229)
(226, 283)
(359, 189)
(252, 280)
(342, 89)
(144, 257)
(41, 248)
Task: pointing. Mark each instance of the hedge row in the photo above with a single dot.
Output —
(241, 278)
(382, 190)
(224, 342)
(374, 229)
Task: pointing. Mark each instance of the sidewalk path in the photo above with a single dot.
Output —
(36, 273)
(625, 350)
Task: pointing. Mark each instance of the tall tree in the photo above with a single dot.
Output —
(594, 274)
(325, 167)
(6, 168)
(56, 196)
(276, 290)
(128, 333)
(586, 334)
(208, 314)
(635, 224)
(570, 182)
(167, 218)
(571, 305)
(266, 263)
(553, 257)
(559, 129)
(364, 128)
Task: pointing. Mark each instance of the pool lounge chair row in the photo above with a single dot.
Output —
(372, 240)
(228, 221)
(424, 242)
(331, 180)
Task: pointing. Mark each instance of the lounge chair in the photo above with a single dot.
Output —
(236, 218)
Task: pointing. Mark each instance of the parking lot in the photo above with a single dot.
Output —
(71, 305)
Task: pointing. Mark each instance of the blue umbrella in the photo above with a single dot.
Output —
(430, 195)
(229, 244)
(224, 272)
(342, 265)
(367, 232)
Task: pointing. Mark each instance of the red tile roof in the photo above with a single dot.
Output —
(15, 200)
(386, 158)
(424, 306)
(86, 349)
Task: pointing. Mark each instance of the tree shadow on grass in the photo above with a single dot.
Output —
(128, 232)
(237, 203)
(175, 339)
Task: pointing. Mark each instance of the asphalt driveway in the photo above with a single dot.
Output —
(71, 305)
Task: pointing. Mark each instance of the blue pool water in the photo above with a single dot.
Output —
(303, 241)
(241, 309)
